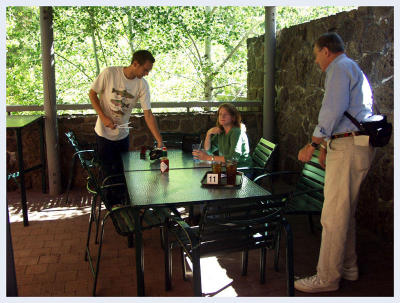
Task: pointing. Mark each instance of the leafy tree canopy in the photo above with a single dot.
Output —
(200, 51)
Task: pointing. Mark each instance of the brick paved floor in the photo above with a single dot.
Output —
(49, 258)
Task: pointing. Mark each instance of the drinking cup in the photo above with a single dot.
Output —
(195, 147)
(231, 169)
(217, 169)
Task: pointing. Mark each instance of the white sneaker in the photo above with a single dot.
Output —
(313, 284)
(350, 274)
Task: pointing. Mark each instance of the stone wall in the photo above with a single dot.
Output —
(368, 34)
(83, 126)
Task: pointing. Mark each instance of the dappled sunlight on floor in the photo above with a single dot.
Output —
(47, 214)
(52, 208)
(215, 281)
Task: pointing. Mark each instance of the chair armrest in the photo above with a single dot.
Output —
(303, 192)
(110, 177)
(185, 230)
(277, 173)
(251, 167)
(83, 151)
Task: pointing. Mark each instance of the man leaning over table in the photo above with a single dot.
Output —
(346, 155)
(113, 95)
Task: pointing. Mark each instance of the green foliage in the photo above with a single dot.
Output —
(23, 61)
(88, 39)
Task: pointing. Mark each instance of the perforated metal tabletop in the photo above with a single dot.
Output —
(177, 160)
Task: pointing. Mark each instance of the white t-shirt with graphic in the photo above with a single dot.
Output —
(118, 95)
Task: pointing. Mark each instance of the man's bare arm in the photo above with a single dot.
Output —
(153, 126)
(94, 99)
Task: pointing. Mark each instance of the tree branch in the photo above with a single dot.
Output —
(193, 63)
(178, 75)
(235, 49)
(194, 44)
(102, 48)
(222, 86)
(77, 66)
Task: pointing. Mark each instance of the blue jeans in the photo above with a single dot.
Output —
(109, 156)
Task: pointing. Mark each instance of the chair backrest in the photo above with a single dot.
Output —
(239, 225)
(85, 155)
(179, 140)
(72, 139)
(312, 178)
(263, 151)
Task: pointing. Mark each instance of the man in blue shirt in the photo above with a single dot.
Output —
(346, 154)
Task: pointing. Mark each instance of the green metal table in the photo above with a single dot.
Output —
(18, 123)
(177, 159)
(179, 187)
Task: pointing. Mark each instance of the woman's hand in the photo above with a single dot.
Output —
(201, 155)
(214, 131)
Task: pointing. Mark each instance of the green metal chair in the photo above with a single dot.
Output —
(121, 214)
(307, 196)
(241, 226)
(85, 155)
(87, 159)
(261, 157)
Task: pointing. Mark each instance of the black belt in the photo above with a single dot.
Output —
(343, 135)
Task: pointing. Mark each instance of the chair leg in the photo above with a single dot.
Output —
(71, 175)
(191, 213)
(92, 218)
(96, 273)
(311, 223)
(289, 259)
(97, 218)
(263, 257)
(167, 261)
(277, 250)
(196, 273)
(245, 258)
(131, 242)
(162, 237)
(183, 264)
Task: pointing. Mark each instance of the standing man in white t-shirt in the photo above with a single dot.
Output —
(113, 95)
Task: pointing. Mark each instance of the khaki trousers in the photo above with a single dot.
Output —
(347, 165)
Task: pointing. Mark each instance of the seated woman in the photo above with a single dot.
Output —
(228, 138)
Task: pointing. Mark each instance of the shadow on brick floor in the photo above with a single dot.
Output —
(49, 259)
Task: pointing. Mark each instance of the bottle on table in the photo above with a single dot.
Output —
(164, 161)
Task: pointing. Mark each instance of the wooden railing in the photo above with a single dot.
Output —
(156, 105)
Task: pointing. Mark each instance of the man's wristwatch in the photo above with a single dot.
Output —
(313, 144)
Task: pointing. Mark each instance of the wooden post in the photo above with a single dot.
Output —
(49, 92)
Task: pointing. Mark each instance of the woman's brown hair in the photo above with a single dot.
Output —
(231, 109)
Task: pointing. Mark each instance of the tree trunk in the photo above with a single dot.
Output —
(208, 64)
(94, 41)
(130, 34)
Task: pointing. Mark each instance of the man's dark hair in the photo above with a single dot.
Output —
(141, 56)
(332, 41)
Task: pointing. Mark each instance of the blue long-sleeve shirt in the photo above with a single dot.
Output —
(346, 88)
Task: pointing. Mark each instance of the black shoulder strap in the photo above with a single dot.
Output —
(374, 105)
(352, 119)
